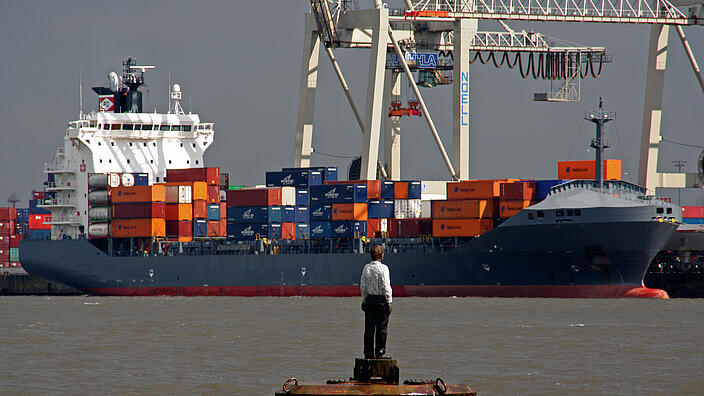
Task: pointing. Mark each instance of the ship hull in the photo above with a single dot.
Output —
(570, 260)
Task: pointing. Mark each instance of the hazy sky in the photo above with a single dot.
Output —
(238, 63)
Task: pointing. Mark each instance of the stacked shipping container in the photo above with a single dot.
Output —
(9, 241)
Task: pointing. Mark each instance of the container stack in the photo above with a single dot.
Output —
(693, 214)
(39, 226)
(99, 185)
(9, 241)
(515, 197)
(195, 205)
(254, 213)
(470, 209)
(138, 211)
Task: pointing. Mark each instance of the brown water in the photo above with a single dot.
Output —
(250, 346)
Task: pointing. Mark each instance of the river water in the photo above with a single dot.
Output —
(250, 346)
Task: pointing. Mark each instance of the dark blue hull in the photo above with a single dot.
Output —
(551, 260)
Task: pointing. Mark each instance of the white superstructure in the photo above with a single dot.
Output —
(121, 142)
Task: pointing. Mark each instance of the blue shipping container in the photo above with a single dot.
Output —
(320, 212)
(387, 189)
(301, 178)
(273, 179)
(544, 187)
(338, 193)
(320, 229)
(349, 229)
(380, 209)
(328, 173)
(39, 234)
(22, 215)
(302, 231)
(141, 179)
(246, 232)
(33, 209)
(288, 214)
(200, 228)
(213, 211)
(414, 190)
(248, 214)
(692, 220)
(302, 214)
(302, 198)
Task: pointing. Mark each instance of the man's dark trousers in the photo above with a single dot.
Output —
(376, 319)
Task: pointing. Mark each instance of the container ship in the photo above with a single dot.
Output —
(134, 212)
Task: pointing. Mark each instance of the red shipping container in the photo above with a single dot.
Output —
(519, 191)
(200, 209)
(179, 228)
(254, 197)
(377, 228)
(693, 212)
(15, 240)
(409, 228)
(39, 221)
(6, 227)
(213, 228)
(213, 194)
(140, 210)
(7, 214)
(400, 190)
(373, 186)
(288, 230)
(179, 212)
(38, 194)
(208, 175)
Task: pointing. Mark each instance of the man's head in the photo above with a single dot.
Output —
(377, 252)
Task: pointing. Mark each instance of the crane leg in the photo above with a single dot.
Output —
(306, 95)
(375, 95)
(392, 127)
(465, 29)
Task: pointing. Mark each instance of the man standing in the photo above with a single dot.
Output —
(376, 303)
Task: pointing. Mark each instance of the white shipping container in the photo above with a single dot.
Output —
(384, 225)
(114, 180)
(433, 187)
(433, 197)
(288, 196)
(127, 179)
(100, 230)
(100, 197)
(426, 208)
(99, 213)
(407, 208)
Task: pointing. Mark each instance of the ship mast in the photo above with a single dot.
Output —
(599, 118)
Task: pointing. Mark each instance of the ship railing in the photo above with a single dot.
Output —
(52, 202)
(205, 127)
(623, 188)
(52, 167)
(59, 186)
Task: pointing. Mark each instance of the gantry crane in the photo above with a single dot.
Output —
(451, 26)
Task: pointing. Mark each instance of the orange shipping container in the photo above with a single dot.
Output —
(461, 227)
(400, 190)
(155, 193)
(138, 228)
(570, 170)
(213, 228)
(288, 231)
(213, 194)
(222, 230)
(474, 189)
(465, 209)
(509, 208)
(349, 211)
(200, 209)
(179, 212)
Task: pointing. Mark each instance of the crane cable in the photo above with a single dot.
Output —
(548, 66)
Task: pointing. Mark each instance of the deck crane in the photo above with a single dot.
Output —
(452, 26)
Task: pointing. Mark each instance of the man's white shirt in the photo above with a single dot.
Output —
(376, 280)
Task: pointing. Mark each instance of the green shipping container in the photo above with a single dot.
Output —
(236, 187)
(14, 254)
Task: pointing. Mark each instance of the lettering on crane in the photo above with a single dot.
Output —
(464, 98)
